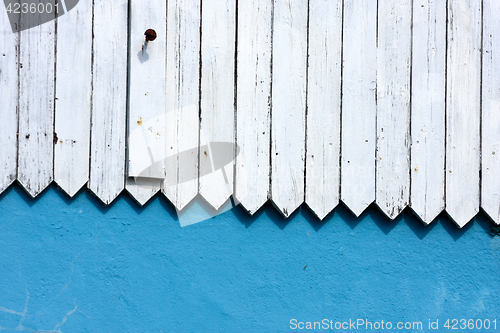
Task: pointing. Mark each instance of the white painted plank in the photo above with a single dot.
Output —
(359, 104)
(393, 106)
(428, 108)
(73, 98)
(36, 107)
(182, 98)
(9, 86)
(463, 110)
(147, 110)
(490, 197)
(217, 97)
(107, 159)
(147, 90)
(323, 105)
(253, 103)
(288, 104)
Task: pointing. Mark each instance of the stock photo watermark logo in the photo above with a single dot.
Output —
(150, 164)
(26, 14)
(182, 166)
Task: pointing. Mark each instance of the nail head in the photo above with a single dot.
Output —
(150, 35)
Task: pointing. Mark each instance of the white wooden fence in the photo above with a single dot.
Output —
(395, 102)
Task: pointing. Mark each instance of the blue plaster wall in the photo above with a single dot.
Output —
(73, 265)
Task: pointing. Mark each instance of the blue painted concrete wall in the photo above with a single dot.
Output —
(73, 265)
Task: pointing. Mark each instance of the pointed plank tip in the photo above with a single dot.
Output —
(285, 211)
(5, 185)
(251, 207)
(424, 216)
(142, 190)
(391, 212)
(215, 202)
(70, 189)
(355, 208)
(320, 211)
(34, 189)
(105, 197)
(495, 217)
(140, 198)
(459, 219)
(180, 201)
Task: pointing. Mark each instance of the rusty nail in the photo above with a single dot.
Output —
(150, 35)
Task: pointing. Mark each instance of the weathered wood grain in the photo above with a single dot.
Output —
(428, 108)
(73, 98)
(359, 104)
(393, 106)
(9, 87)
(217, 96)
(147, 108)
(109, 97)
(305, 126)
(253, 103)
(463, 110)
(288, 104)
(182, 98)
(323, 105)
(490, 195)
(36, 107)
